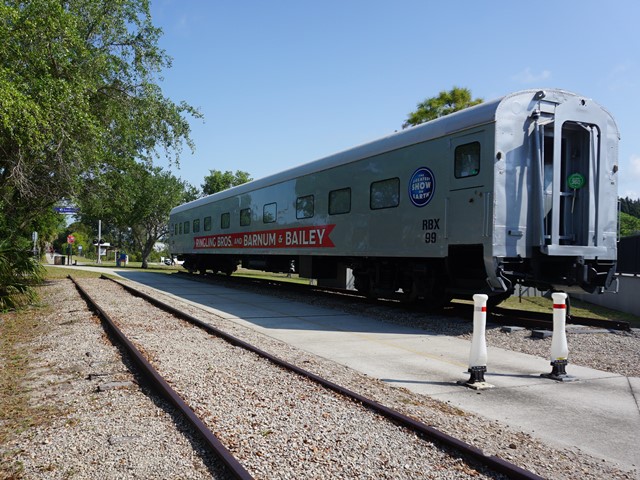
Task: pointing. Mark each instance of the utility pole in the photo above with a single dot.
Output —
(99, 238)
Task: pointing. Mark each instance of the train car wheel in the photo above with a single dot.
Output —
(189, 264)
(362, 284)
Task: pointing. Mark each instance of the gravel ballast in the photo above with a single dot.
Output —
(280, 426)
(107, 425)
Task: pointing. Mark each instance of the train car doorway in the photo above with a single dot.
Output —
(568, 195)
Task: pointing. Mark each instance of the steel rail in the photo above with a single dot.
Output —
(529, 319)
(499, 315)
(235, 468)
(539, 318)
(492, 461)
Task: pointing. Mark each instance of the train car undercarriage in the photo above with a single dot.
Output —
(431, 281)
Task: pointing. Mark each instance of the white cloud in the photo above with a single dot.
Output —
(527, 76)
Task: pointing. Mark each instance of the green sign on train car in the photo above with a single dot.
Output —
(575, 181)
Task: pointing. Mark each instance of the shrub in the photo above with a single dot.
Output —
(19, 273)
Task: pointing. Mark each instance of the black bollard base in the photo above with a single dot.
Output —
(559, 372)
(476, 380)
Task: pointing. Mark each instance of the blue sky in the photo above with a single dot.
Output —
(284, 82)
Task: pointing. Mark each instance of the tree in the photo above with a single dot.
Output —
(78, 91)
(217, 181)
(83, 237)
(630, 206)
(158, 193)
(445, 103)
(135, 204)
(77, 88)
(629, 225)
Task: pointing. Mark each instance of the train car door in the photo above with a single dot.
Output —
(468, 202)
(571, 199)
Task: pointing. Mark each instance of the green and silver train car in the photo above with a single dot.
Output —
(519, 190)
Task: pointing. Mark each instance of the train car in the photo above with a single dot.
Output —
(519, 190)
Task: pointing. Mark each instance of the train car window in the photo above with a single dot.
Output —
(180, 228)
(304, 207)
(186, 227)
(385, 194)
(467, 160)
(196, 225)
(175, 229)
(340, 201)
(269, 213)
(207, 224)
(245, 217)
(225, 220)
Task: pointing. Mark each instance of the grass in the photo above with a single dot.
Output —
(57, 273)
(579, 308)
(17, 330)
(282, 277)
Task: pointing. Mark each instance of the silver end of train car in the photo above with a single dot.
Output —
(570, 173)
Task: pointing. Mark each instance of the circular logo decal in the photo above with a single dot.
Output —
(422, 186)
(575, 181)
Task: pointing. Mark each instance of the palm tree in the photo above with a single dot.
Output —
(19, 273)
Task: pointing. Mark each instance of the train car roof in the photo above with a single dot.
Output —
(480, 114)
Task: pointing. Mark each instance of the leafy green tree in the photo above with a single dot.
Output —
(134, 205)
(217, 181)
(78, 92)
(77, 88)
(445, 103)
(629, 225)
(48, 225)
(83, 237)
(630, 206)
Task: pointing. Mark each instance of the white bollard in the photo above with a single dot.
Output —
(559, 347)
(478, 354)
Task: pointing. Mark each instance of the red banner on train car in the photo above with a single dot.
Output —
(301, 237)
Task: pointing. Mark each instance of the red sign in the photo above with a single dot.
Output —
(301, 237)
(71, 239)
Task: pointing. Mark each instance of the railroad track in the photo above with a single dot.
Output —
(497, 315)
(149, 373)
(535, 320)
(358, 405)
